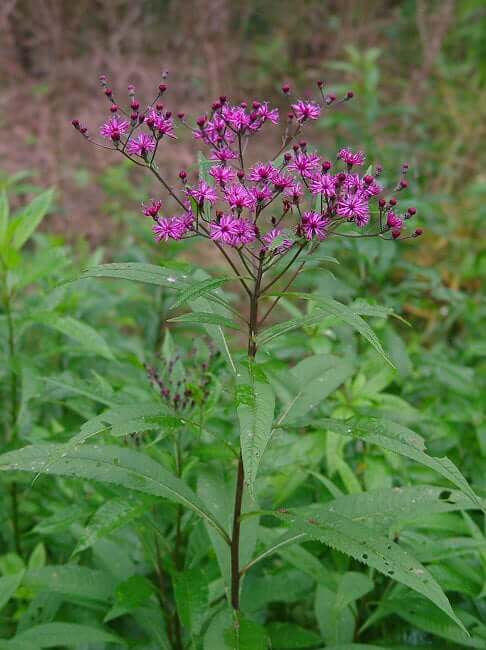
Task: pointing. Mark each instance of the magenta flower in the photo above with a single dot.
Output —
(262, 194)
(393, 220)
(282, 181)
(164, 125)
(262, 172)
(239, 197)
(313, 225)
(271, 236)
(245, 232)
(294, 192)
(265, 113)
(223, 155)
(142, 145)
(152, 209)
(306, 111)
(223, 174)
(304, 163)
(235, 116)
(168, 228)
(351, 158)
(354, 207)
(203, 192)
(186, 220)
(114, 128)
(323, 184)
(224, 230)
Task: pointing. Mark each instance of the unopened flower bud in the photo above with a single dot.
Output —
(326, 165)
(393, 201)
(382, 203)
(295, 147)
(290, 116)
(131, 90)
(303, 145)
(368, 179)
(412, 211)
(83, 130)
(162, 88)
(114, 108)
(108, 92)
(418, 232)
(183, 175)
(241, 174)
(75, 123)
(256, 104)
(341, 177)
(181, 116)
(243, 104)
(134, 117)
(159, 107)
(403, 183)
(215, 106)
(201, 121)
(286, 89)
(134, 105)
(320, 83)
(287, 157)
(395, 233)
(223, 99)
(330, 98)
(349, 94)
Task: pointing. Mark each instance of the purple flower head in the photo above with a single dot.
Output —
(245, 232)
(265, 113)
(223, 174)
(323, 184)
(393, 220)
(168, 228)
(313, 225)
(163, 125)
(271, 236)
(223, 155)
(262, 194)
(186, 220)
(239, 197)
(305, 163)
(354, 207)
(294, 192)
(351, 158)
(142, 145)
(235, 116)
(152, 209)
(282, 181)
(306, 111)
(224, 229)
(114, 128)
(203, 192)
(263, 172)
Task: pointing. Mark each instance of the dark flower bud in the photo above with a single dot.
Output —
(103, 79)
(326, 165)
(395, 233)
(108, 92)
(162, 88)
(349, 94)
(241, 174)
(256, 104)
(168, 114)
(403, 183)
(368, 179)
(141, 118)
(201, 121)
(412, 211)
(302, 144)
(378, 170)
(150, 122)
(131, 90)
(223, 99)
(393, 201)
(274, 221)
(418, 232)
(286, 89)
(215, 106)
(330, 98)
(382, 203)
(320, 83)
(75, 123)
(134, 105)
(405, 167)
(159, 107)
(134, 117)
(295, 147)
(114, 108)
(341, 177)
(183, 175)
(83, 130)
(181, 116)
(290, 116)
(287, 157)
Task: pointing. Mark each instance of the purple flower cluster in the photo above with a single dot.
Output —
(295, 199)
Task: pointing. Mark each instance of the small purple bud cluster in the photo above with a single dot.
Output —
(296, 198)
(184, 384)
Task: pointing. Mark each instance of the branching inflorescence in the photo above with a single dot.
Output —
(262, 216)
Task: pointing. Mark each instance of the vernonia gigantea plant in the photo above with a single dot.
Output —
(265, 218)
(268, 219)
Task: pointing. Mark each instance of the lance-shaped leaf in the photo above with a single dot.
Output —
(62, 635)
(203, 288)
(326, 306)
(26, 221)
(401, 440)
(108, 464)
(72, 580)
(205, 318)
(146, 273)
(255, 407)
(375, 550)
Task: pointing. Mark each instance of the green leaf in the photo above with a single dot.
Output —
(247, 635)
(111, 516)
(88, 337)
(4, 215)
(255, 407)
(401, 440)
(327, 305)
(37, 558)
(375, 550)
(108, 464)
(203, 288)
(130, 594)
(335, 623)
(287, 636)
(65, 635)
(191, 594)
(205, 318)
(8, 587)
(352, 586)
(24, 224)
(146, 273)
(72, 580)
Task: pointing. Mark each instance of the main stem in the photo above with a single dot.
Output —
(240, 477)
